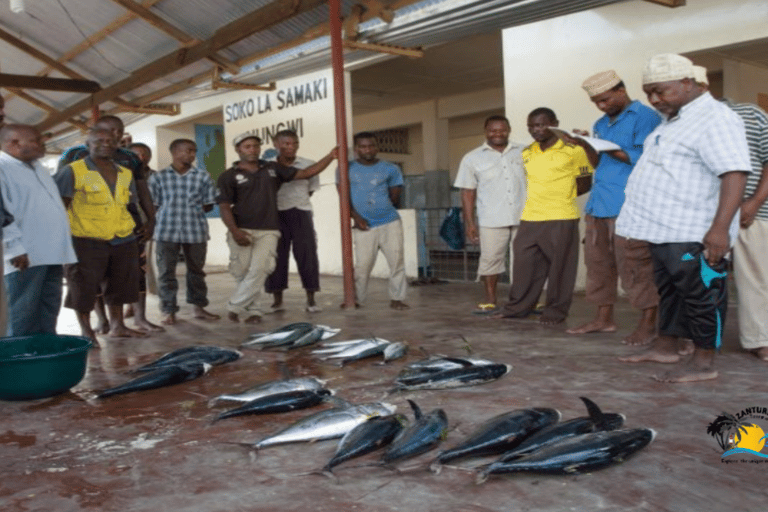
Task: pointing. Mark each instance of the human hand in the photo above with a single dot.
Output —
(360, 223)
(147, 230)
(472, 234)
(749, 209)
(241, 238)
(583, 133)
(716, 245)
(20, 262)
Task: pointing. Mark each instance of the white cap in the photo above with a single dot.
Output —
(700, 75)
(667, 67)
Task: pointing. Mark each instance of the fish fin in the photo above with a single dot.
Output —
(595, 414)
(571, 470)
(338, 401)
(424, 351)
(416, 410)
(481, 477)
(435, 466)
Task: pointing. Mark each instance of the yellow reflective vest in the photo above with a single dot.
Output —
(94, 211)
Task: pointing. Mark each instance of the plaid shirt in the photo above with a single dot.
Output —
(179, 199)
(674, 191)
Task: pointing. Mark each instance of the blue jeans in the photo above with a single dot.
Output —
(168, 285)
(34, 299)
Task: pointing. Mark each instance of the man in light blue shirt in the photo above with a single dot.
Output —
(38, 242)
(626, 123)
(375, 189)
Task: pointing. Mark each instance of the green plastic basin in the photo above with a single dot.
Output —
(41, 365)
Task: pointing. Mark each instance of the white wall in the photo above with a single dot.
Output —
(546, 62)
(742, 82)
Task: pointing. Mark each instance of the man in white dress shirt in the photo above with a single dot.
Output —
(492, 177)
(38, 242)
(683, 198)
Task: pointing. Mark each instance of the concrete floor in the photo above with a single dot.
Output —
(156, 450)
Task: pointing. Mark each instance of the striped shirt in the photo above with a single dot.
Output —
(179, 199)
(673, 193)
(756, 125)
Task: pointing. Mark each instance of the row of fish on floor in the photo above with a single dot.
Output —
(527, 440)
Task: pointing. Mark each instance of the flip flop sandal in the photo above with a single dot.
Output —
(485, 309)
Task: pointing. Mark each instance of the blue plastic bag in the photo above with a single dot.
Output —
(452, 229)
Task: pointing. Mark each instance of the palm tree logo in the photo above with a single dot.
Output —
(722, 427)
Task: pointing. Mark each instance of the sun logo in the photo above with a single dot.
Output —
(738, 436)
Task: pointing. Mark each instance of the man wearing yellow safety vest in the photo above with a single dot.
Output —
(96, 193)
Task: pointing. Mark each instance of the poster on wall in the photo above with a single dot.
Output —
(304, 104)
(211, 149)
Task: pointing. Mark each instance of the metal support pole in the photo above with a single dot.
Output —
(337, 57)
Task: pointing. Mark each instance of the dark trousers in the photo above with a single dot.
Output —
(34, 299)
(546, 251)
(693, 295)
(168, 285)
(296, 228)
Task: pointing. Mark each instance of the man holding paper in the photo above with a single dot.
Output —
(626, 123)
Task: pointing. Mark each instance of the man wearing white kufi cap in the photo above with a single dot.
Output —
(626, 123)
(683, 197)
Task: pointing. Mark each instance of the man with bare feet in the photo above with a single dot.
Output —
(375, 190)
(182, 195)
(248, 204)
(626, 123)
(546, 248)
(129, 160)
(139, 310)
(297, 229)
(682, 198)
(96, 193)
(492, 176)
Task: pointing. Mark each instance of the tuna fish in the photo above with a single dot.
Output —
(579, 454)
(286, 336)
(272, 388)
(367, 437)
(422, 435)
(196, 354)
(499, 434)
(328, 424)
(470, 375)
(596, 422)
(165, 376)
(278, 403)
(395, 351)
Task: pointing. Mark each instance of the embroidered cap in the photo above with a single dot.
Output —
(243, 136)
(601, 82)
(667, 67)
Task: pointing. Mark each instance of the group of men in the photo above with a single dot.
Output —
(664, 211)
(93, 219)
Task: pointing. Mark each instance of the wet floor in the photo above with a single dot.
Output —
(157, 450)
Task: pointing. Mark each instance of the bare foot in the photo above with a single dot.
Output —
(233, 317)
(398, 305)
(548, 320)
(662, 350)
(694, 370)
(121, 331)
(593, 326)
(102, 328)
(761, 353)
(147, 325)
(344, 306)
(128, 311)
(253, 319)
(640, 337)
(169, 319)
(91, 335)
(685, 347)
(202, 314)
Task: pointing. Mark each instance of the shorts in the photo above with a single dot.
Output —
(102, 267)
(495, 244)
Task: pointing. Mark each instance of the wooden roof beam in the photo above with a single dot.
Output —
(668, 3)
(178, 34)
(260, 19)
(48, 84)
(385, 48)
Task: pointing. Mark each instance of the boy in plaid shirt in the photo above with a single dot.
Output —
(182, 195)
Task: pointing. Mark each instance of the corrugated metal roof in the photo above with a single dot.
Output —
(56, 26)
